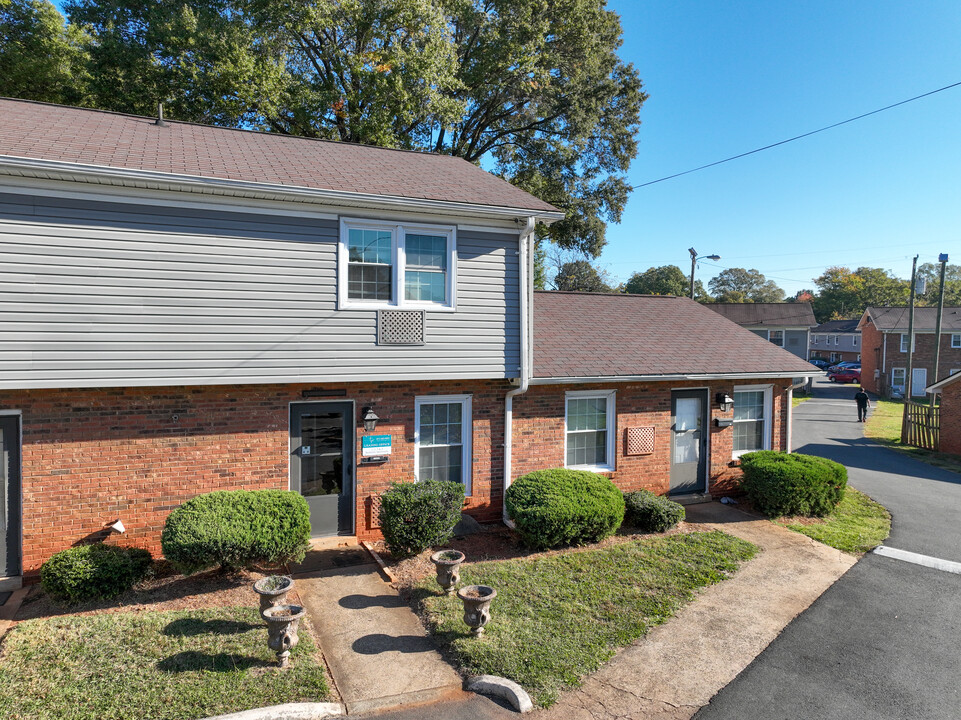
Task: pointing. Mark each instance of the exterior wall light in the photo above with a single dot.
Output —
(724, 401)
(370, 419)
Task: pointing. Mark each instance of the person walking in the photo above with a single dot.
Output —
(862, 399)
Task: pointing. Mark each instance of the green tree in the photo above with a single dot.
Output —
(736, 285)
(844, 294)
(952, 284)
(533, 88)
(665, 280)
(581, 276)
(41, 58)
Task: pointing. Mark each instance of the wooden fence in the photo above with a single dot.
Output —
(921, 425)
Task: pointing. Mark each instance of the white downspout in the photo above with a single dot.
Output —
(526, 311)
(789, 411)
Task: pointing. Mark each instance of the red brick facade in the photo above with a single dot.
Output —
(881, 352)
(92, 456)
(950, 423)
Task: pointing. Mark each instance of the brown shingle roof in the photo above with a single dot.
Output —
(92, 137)
(595, 335)
(767, 314)
(925, 318)
(838, 326)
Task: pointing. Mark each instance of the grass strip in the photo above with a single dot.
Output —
(558, 617)
(884, 427)
(150, 665)
(857, 524)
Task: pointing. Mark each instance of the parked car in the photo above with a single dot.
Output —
(850, 364)
(845, 375)
(820, 363)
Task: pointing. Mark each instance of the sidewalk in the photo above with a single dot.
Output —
(679, 666)
(378, 651)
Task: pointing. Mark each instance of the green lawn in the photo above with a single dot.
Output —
(884, 426)
(150, 665)
(857, 525)
(558, 617)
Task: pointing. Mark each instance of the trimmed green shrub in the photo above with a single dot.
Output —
(417, 515)
(88, 572)
(237, 529)
(651, 513)
(559, 507)
(792, 484)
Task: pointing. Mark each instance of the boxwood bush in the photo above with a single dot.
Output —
(416, 515)
(89, 572)
(651, 513)
(559, 507)
(792, 484)
(237, 529)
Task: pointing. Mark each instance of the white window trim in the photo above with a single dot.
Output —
(610, 396)
(467, 433)
(903, 347)
(776, 331)
(956, 340)
(902, 386)
(398, 233)
(768, 413)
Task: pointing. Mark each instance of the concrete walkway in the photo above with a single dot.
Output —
(378, 652)
(680, 665)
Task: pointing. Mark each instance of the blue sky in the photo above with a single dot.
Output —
(728, 77)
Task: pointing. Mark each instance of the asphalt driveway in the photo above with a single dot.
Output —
(885, 640)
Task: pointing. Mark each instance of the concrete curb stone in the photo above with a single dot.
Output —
(502, 688)
(289, 711)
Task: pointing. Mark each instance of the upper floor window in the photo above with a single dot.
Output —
(854, 340)
(776, 337)
(385, 266)
(904, 343)
(837, 340)
(956, 340)
(816, 339)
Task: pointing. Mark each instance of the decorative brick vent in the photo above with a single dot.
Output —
(373, 503)
(640, 441)
(400, 327)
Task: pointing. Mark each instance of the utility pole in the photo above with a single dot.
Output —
(910, 370)
(694, 257)
(943, 259)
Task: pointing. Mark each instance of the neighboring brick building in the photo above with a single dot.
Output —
(787, 325)
(949, 430)
(884, 348)
(836, 341)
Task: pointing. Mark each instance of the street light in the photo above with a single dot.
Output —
(694, 259)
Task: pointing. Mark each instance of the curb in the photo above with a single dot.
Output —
(502, 688)
(290, 711)
(379, 560)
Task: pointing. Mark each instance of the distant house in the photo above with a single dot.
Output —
(836, 341)
(949, 432)
(787, 325)
(884, 348)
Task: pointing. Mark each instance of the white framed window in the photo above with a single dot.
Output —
(855, 339)
(834, 357)
(898, 376)
(443, 439)
(753, 409)
(776, 337)
(837, 339)
(904, 343)
(954, 371)
(589, 430)
(956, 340)
(816, 339)
(384, 265)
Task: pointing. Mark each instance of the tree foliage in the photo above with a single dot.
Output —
(534, 89)
(952, 284)
(737, 285)
(665, 280)
(580, 275)
(41, 58)
(844, 294)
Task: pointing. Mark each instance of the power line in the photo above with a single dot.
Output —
(797, 137)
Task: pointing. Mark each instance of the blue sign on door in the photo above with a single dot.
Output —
(371, 445)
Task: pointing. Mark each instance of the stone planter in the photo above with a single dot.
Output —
(273, 590)
(477, 606)
(283, 621)
(447, 564)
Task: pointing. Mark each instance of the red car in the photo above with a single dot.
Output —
(845, 375)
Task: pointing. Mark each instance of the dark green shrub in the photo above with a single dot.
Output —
(792, 484)
(87, 572)
(237, 529)
(559, 507)
(416, 515)
(651, 513)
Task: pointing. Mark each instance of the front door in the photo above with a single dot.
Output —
(10, 495)
(689, 432)
(919, 381)
(322, 464)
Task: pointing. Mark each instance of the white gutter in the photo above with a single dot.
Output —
(526, 311)
(672, 377)
(103, 175)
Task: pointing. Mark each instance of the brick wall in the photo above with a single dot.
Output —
(871, 357)
(539, 433)
(886, 348)
(91, 456)
(950, 429)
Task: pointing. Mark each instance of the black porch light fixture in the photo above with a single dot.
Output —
(370, 419)
(724, 401)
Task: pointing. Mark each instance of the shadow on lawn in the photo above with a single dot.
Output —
(189, 627)
(194, 661)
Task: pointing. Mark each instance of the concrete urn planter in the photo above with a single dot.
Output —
(447, 563)
(477, 606)
(283, 621)
(273, 590)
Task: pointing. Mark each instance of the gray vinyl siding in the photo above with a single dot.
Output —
(796, 341)
(111, 294)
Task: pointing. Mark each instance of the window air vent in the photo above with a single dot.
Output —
(400, 327)
(640, 441)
